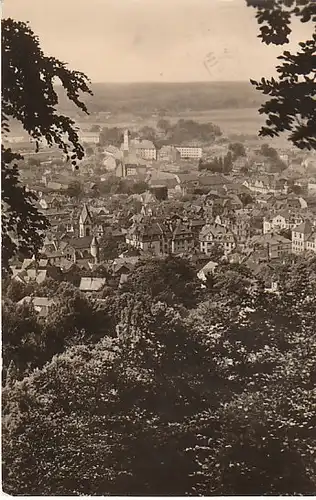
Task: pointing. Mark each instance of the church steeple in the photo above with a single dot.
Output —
(85, 222)
(126, 142)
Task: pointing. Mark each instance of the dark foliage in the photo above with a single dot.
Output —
(291, 106)
(29, 96)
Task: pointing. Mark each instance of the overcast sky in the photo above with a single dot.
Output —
(152, 40)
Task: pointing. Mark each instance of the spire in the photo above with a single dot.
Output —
(85, 214)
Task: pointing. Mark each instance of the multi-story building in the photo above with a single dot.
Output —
(216, 234)
(304, 237)
(190, 152)
(90, 137)
(273, 245)
(267, 184)
(149, 237)
(131, 162)
(281, 220)
(182, 240)
(144, 148)
(160, 238)
(169, 153)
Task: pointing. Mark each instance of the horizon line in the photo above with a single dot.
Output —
(156, 82)
(181, 82)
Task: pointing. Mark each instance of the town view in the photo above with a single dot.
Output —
(159, 248)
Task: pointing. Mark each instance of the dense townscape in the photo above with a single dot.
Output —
(159, 274)
(152, 306)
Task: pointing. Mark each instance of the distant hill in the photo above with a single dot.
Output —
(148, 98)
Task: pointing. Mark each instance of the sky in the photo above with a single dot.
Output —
(152, 40)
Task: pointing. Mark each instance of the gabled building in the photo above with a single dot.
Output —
(149, 237)
(42, 305)
(267, 184)
(169, 153)
(144, 148)
(182, 239)
(161, 238)
(304, 237)
(281, 220)
(272, 245)
(216, 234)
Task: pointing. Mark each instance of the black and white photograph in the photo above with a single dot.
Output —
(158, 248)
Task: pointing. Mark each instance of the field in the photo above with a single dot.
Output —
(233, 106)
(233, 123)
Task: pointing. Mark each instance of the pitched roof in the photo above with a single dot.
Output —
(85, 215)
(144, 144)
(37, 301)
(182, 178)
(91, 284)
(181, 229)
(305, 227)
(213, 180)
(80, 243)
(132, 159)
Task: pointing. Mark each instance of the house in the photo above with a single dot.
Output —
(34, 270)
(216, 234)
(239, 225)
(213, 182)
(281, 220)
(42, 305)
(161, 238)
(182, 239)
(169, 153)
(89, 137)
(266, 184)
(145, 149)
(304, 237)
(273, 245)
(186, 183)
(124, 265)
(149, 237)
(49, 202)
(131, 165)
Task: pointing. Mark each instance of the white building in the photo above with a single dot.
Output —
(281, 220)
(216, 234)
(190, 152)
(89, 137)
(304, 237)
(145, 149)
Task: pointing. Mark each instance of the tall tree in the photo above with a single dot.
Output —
(292, 104)
(29, 96)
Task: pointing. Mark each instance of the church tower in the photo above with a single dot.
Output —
(85, 222)
(126, 142)
(95, 250)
